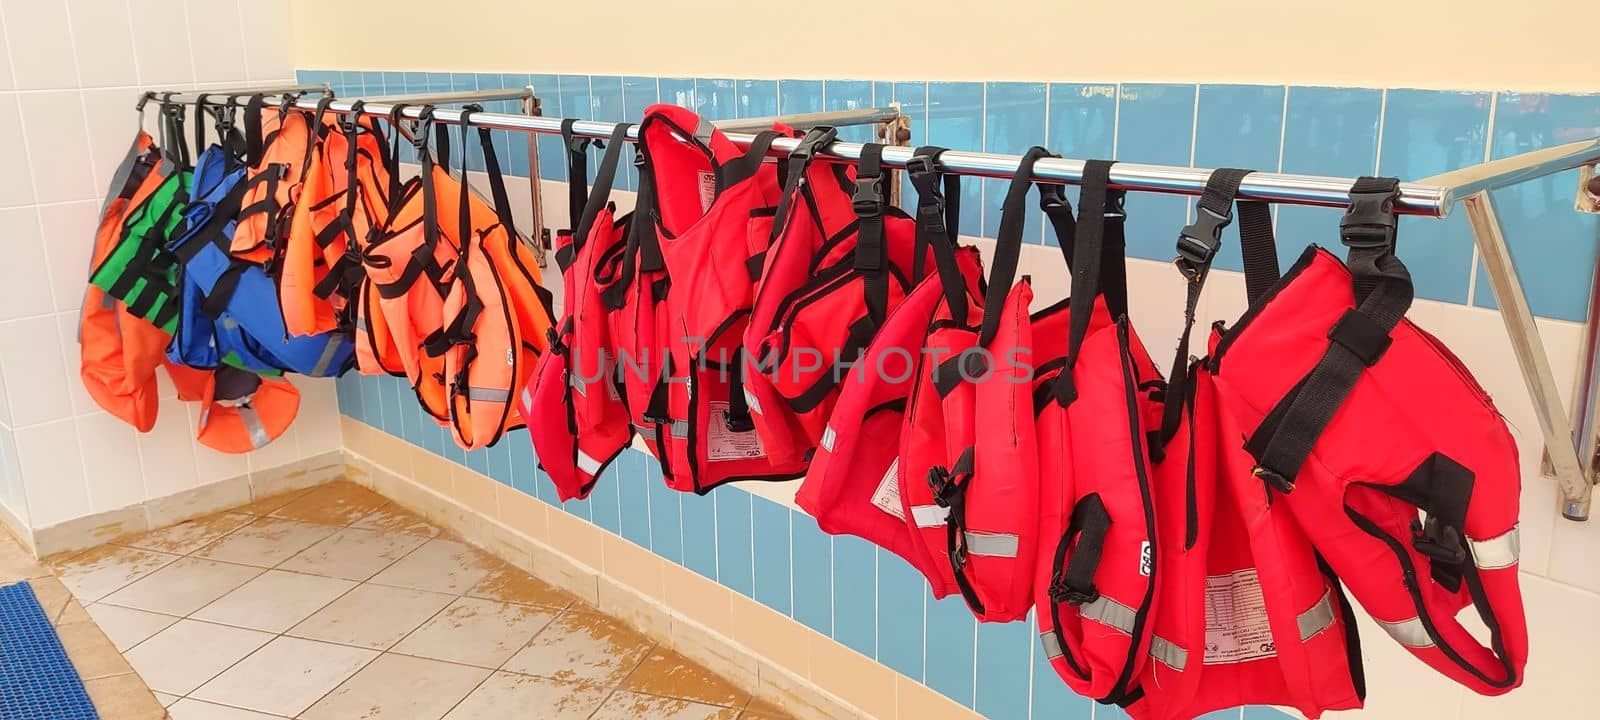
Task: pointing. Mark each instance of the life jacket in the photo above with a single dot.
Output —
(342, 197)
(230, 313)
(1382, 445)
(120, 351)
(852, 486)
(1249, 612)
(841, 260)
(682, 305)
(459, 292)
(968, 468)
(278, 156)
(376, 350)
(577, 421)
(240, 411)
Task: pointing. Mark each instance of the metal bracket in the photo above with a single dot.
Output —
(1588, 190)
(895, 131)
(540, 235)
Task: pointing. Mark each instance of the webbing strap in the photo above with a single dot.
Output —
(1099, 209)
(577, 172)
(870, 260)
(1073, 578)
(604, 178)
(938, 220)
(1008, 244)
(815, 139)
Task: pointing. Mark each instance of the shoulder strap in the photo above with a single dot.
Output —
(1088, 247)
(497, 179)
(868, 202)
(798, 162)
(577, 150)
(938, 218)
(604, 178)
(1008, 243)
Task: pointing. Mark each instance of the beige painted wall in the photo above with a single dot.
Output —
(1467, 44)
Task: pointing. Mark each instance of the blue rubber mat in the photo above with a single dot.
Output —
(37, 680)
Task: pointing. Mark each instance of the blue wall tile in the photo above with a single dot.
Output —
(714, 98)
(638, 93)
(372, 83)
(478, 461)
(855, 594)
(522, 462)
(347, 388)
(460, 82)
(634, 497)
(1052, 699)
(913, 99)
(900, 615)
(666, 533)
(950, 631)
(1155, 125)
(1329, 131)
(678, 91)
(413, 421)
(1427, 132)
(1002, 655)
(416, 82)
(391, 399)
(799, 96)
(735, 566)
(812, 573)
(955, 121)
(850, 95)
(1228, 714)
(605, 96)
(517, 142)
(1015, 117)
(605, 500)
(757, 98)
(1552, 246)
(1082, 124)
(352, 84)
(574, 91)
(438, 82)
(1262, 712)
(552, 159)
(394, 83)
(700, 533)
(1238, 126)
(452, 451)
(771, 523)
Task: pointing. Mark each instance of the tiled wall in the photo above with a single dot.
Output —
(755, 542)
(70, 73)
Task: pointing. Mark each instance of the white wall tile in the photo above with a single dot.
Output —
(110, 462)
(24, 290)
(68, 233)
(317, 426)
(1558, 682)
(166, 453)
(161, 43)
(103, 36)
(72, 354)
(285, 449)
(11, 489)
(40, 41)
(52, 472)
(36, 376)
(16, 188)
(268, 40)
(7, 82)
(217, 41)
(58, 145)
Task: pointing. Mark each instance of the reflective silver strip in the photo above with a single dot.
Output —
(645, 430)
(587, 463)
(680, 429)
(576, 382)
(481, 394)
(328, 351)
(252, 423)
(1498, 552)
(750, 400)
(361, 323)
(828, 437)
(1052, 645)
(703, 131)
(1410, 633)
(1003, 545)
(927, 516)
(527, 396)
(1317, 619)
(1168, 653)
(1110, 613)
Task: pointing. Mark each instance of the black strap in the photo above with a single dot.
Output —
(577, 172)
(497, 179)
(1008, 243)
(1383, 292)
(430, 197)
(738, 419)
(1073, 579)
(949, 487)
(795, 168)
(254, 144)
(870, 261)
(605, 176)
(938, 220)
(1088, 248)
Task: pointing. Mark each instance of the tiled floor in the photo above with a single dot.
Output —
(332, 604)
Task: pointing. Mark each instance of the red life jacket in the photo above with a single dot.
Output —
(1326, 366)
(841, 261)
(853, 483)
(573, 406)
(1249, 613)
(684, 300)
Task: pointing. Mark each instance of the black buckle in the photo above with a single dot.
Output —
(814, 139)
(740, 424)
(930, 214)
(1440, 542)
(868, 199)
(1061, 592)
(921, 165)
(946, 492)
(1116, 204)
(1370, 221)
(1199, 242)
(1052, 197)
(1274, 479)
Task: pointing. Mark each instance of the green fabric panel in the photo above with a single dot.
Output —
(140, 264)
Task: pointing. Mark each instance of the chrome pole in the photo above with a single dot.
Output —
(538, 234)
(445, 98)
(193, 96)
(1571, 473)
(806, 121)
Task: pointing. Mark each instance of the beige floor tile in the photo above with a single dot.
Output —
(97, 573)
(624, 705)
(372, 616)
(53, 596)
(73, 612)
(188, 536)
(266, 542)
(581, 647)
(182, 587)
(270, 503)
(192, 709)
(509, 584)
(394, 518)
(124, 697)
(183, 657)
(337, 503)
(166, 699)
(353, 554)
(274, 601)
(666, 673)
(285, 677)
(128, 627)
(439, 565)
(509, 695)
(400, 688)
(16, 563)
(91, 652)
(477, 632)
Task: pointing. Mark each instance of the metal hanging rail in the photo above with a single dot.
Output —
(1571, 455)
(191, 97)
(835, 118)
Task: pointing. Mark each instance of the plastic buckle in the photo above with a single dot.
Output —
(1441, 543)
(1052, 197)
(868, 198)
(1274, 479)
(1116, 204)
(930, 214)
(814, 139)
(920, 165)
(1199, 241)
(419, 136)
(945, 491)
(1370, 221)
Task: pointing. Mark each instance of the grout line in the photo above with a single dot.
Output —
(1383, 111)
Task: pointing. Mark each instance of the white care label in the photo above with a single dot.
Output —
(1236, 619)
(887, 496)
(724, 444)
(708, 189)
